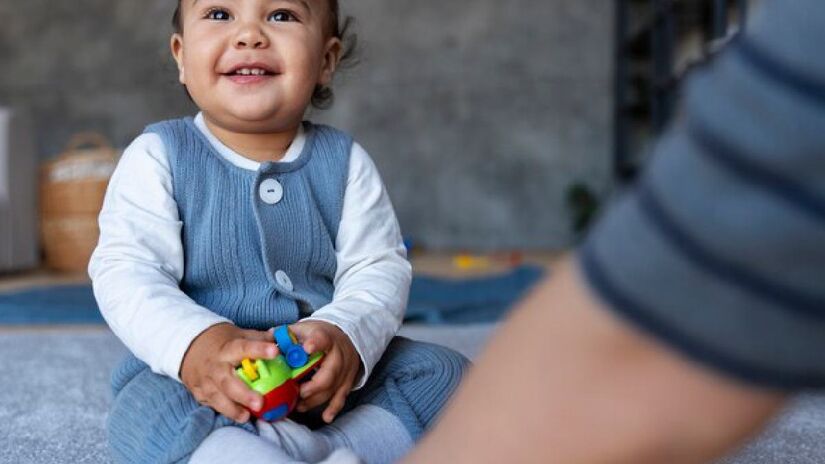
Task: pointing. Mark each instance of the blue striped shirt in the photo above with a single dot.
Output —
(719, 250)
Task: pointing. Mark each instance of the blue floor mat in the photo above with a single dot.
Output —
(463, 301)
(63, 304)
(432, 300)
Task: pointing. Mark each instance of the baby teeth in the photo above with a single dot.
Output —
(252, 72)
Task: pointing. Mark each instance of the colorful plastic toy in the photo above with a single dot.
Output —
(278, 380)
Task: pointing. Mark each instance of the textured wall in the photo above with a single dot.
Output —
(88, 64)
(480, 113)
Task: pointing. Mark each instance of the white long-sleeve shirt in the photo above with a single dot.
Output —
(138, 264)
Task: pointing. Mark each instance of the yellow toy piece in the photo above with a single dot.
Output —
(249, 369)
(468, 262)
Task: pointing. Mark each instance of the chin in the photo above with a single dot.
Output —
(257, 121)
(252, 112)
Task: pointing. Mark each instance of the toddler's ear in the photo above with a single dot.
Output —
(332, 56)
(176, 45)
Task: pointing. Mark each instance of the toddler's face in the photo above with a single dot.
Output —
(252, 65)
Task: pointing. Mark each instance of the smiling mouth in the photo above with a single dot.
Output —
(250, 69)
(250, 75)
(250, 72)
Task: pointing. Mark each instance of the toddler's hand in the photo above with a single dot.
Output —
(208, 368)
(338, 372)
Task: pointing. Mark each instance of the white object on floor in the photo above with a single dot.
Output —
(341, 456)
(18, 193)
(234, 444)
(369, 432)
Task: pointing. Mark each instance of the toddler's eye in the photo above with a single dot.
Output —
(281, 16)
(218, 15)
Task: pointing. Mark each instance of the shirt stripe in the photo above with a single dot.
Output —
(642, 316)
(807, 87)
(747, 170)
(784, 297)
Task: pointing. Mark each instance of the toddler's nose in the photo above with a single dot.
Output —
(251, 36)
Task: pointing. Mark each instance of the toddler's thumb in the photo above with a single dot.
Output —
(307, 336)
(253, 349)
(259, 335)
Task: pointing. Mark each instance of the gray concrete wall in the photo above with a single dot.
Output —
(480, 113)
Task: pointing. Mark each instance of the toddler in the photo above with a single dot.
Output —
(219, 227)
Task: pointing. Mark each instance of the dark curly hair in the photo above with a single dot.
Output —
(323, 96)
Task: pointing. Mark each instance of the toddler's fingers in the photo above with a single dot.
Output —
(314, 401)
(312, 339)
(321, 380)
(264, 336)
(236, 350)
(222, 404)
(336, 404)
(238, 392)
(204, 392)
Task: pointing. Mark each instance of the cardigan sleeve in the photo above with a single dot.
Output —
(138, 263)
(373, 277)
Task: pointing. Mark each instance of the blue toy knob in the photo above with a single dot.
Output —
(296, 356)
(292, 351)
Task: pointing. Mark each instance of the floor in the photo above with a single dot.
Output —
(53, 407)
(21, 280)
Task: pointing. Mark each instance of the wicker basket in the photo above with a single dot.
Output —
(72, 188)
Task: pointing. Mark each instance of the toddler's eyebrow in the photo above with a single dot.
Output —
(303, 3)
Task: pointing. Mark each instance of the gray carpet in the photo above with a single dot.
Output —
(54, 395)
